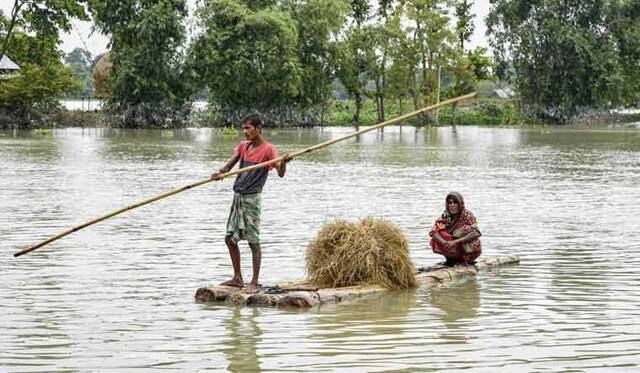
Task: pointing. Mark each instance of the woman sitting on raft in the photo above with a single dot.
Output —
(455, 234)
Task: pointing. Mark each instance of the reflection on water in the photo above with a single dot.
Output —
(456, 301)
(243, 337)
(119, 295)
(371, 315)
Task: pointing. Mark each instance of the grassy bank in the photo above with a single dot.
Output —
(482, 112)
(489, 112)
(340, 113)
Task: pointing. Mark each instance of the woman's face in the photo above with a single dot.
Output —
(452, 206)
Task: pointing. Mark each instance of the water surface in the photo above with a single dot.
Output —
(119, 295)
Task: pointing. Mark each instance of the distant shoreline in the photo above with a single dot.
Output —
(86, 113)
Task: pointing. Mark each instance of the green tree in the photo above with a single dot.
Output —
(30, 98)
(30, 38)
(380, 36)
(623, 20)
(564, 57)
(404, 59)
(80, 61)
(248, 57)
(403, 62)
(351, 68)
(482, 64)
(464, 23)
(149, 82)
(469, 68)
(433, 42)
(319, 23)
(44, 20)
(352, 64)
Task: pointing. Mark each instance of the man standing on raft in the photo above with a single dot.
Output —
(455, 233)
(244, 216)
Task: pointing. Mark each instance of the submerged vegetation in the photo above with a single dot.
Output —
(500, 112)
(372, 251)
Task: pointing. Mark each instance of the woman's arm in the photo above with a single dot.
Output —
(438, 238)
(449, 245)
(474, 234)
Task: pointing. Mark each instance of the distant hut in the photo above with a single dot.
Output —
(8, 68)
(101, 73)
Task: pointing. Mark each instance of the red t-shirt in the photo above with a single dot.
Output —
(252, 182)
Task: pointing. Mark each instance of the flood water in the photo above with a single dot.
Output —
(119, 295)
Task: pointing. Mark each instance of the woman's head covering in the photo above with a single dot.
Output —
(456, 197)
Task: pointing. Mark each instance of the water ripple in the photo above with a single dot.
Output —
(119, 295)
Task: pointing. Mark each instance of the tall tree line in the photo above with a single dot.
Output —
(277, 57)
(282, 57)
(568, 57)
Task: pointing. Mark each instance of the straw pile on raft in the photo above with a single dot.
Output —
(369, 252)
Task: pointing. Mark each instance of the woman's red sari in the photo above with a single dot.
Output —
(451, 227)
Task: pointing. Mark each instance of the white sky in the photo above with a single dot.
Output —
(96, 43)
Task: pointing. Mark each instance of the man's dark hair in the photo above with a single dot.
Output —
(254, 120)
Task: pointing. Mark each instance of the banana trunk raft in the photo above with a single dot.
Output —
(302, 294)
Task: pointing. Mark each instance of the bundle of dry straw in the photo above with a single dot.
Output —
(373, 251)
(102, 75)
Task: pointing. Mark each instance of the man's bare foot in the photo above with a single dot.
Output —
(252, 288)
(233, 282)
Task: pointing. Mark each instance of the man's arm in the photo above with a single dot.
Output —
(282, 165)
(227, 167)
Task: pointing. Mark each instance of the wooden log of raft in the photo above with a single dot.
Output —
(303, 295)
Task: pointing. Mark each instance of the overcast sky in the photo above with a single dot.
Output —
(81, 35)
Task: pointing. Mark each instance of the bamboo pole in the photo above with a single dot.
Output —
(243, 170)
